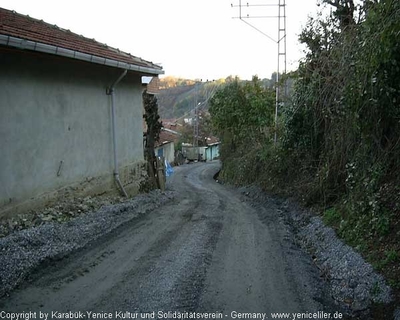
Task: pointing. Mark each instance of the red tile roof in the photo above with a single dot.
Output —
(24, 27)
(166, 137)
(154, 86)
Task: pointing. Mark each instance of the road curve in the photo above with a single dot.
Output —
(205, 251)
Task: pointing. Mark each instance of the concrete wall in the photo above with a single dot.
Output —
(55, 117)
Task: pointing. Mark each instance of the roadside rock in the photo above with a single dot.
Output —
(397, 314)
(353, 283)
(63, 210)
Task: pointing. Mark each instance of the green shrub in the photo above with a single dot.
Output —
(332, 217)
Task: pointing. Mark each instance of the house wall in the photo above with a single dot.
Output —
(215, 151)
(212, 152)
(168, 151)
(209, 154)
(55, 126)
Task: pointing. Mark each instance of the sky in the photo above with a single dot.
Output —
(192, 39)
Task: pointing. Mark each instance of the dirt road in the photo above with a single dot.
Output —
(206, 251)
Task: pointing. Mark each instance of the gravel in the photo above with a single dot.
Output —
(353, 283)
(397, 314)
(23, 251)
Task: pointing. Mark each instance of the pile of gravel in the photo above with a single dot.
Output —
(353, 283)
(64, 209)
(397, 314)
(24, 250)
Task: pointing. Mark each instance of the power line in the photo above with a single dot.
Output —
(281, 53)
(198, 105)
(196, 116)
(280, 42)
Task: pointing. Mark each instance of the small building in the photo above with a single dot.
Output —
(70, 114)
(212, 151)
(165, 147)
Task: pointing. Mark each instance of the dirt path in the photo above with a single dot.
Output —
(205, 251)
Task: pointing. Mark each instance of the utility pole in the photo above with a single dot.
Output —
(196, 116)
(280, 41)
(281, 54)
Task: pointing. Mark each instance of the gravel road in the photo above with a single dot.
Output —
(206, 250)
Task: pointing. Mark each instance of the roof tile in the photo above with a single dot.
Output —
(24, 27)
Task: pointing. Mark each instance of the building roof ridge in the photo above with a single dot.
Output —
(24, 27)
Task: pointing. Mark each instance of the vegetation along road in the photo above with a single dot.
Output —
(207, 250)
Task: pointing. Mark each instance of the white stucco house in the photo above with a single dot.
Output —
(70, 114)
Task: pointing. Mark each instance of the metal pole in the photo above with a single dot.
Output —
(240, 9)
(284, 43)
(277, 75)
(281, 4)
(196, 117)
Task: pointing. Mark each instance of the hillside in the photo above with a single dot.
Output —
(178, 98)
(170, 97)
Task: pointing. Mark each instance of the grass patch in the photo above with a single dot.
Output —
(332, 217)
